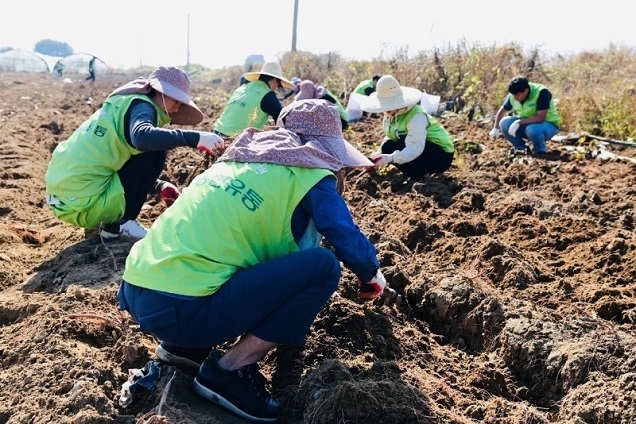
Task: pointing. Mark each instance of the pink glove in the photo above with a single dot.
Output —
(374, 288)
(209, 142)
(169, 193)
(382, 160)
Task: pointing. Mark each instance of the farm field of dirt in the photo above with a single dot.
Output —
(518, 276)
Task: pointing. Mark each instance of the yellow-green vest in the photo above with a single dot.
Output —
(529, 107)
(232, 216)
(84, 164)
(435, 133)
(243, 109)
(363, 86)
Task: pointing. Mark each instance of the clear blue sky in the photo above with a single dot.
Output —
(153, 33)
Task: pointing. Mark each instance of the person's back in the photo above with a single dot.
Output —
(243, 110)
(367, 87)
(251, 104)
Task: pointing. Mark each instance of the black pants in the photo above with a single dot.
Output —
(91, 76)
(432, 160)
(138, 177)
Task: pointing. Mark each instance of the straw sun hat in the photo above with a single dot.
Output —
(272, 69)
(389, 95)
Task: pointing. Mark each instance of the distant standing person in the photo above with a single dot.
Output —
(250, 105)
(58, 68)
(415, 142)
(535, 116)
(100, 177)
(91, 70)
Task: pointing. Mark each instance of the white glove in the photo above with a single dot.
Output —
(374, 288)
(209, 142)
(382, 160)
(513, 128)
(494, 133)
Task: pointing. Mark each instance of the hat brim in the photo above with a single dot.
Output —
(410, 96)
(352, 158)
(303, 95)
(189, 113)
(253, 76)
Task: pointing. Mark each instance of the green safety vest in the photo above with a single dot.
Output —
(363, 86)
(529, 107)
(231, 217)
(435, 133)
(84, 164)
(243, 109)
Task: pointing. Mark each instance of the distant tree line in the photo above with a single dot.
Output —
(53, 48)
(47, 47)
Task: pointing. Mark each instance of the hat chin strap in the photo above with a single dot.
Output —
(165, 108)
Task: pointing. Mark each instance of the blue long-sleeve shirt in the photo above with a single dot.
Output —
(141, 131)
(333, 220)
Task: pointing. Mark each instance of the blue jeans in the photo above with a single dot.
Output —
(277, 301)
(538, 134)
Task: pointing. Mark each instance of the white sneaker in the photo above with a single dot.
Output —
(130, 229)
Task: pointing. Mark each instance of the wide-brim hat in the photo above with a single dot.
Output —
(389, 95)
(309, 90)
(272, 69)
(318, 122)
(172, 82)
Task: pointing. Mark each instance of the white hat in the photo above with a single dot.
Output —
(389, 95)
(272, 69)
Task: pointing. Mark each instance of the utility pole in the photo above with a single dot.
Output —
(295, 28)
(188, 48)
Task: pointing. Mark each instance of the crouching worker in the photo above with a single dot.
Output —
(415, 142)
(101, 176)
(238, 255)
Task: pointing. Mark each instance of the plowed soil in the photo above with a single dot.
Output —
(518, 276)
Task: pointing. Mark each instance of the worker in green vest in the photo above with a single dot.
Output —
(534, 116)
(251, 105)
(367, 87)
(237, 261)
(100, 177)
(415, 142)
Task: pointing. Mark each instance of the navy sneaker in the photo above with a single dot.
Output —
(176, 355)
(242, 391)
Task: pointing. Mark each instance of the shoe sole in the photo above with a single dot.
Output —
(213, 397)
(165, 356)
(108, 236)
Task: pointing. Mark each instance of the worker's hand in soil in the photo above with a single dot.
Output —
(382, 160)
(209, 142)
(374, 288)
(169, 193)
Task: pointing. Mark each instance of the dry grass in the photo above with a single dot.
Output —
(596, 90)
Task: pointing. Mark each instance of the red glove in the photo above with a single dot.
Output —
(169, 193)
(372, 289)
